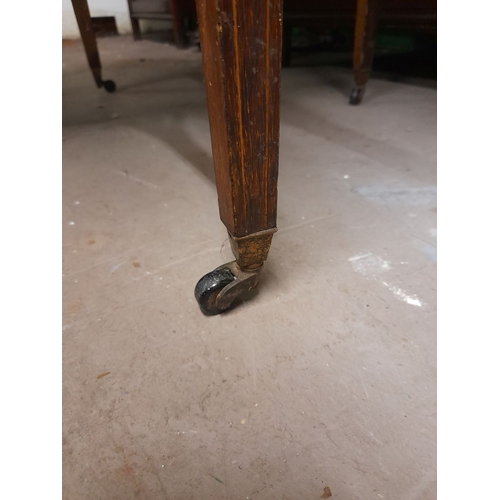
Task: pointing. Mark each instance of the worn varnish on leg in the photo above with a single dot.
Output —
(241, 45)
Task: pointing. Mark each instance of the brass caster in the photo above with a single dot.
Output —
(217, 290)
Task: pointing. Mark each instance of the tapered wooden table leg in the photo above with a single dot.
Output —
(365, 32)
(82, 14)
(241, 46)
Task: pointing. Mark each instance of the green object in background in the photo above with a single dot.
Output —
(393, 41)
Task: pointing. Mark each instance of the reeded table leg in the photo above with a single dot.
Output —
(367, 12)
(241, 45)
(82, 14)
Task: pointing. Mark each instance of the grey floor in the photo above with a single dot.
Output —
(324, 382)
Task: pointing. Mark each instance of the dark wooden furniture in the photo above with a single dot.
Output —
(241, 43)
(185, 9)
(410, 15)
(87, 33)
(241, 46)
(177, 11)
(365, 16)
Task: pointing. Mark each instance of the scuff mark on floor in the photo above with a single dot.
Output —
(115, 267)
(137, 179)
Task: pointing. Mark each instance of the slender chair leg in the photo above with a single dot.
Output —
(367, 13)
(241, 46)
(82, 14)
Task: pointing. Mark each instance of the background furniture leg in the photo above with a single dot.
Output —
(178, 20)
(82, 14)
(241, 46)
(136, 28)
(365, 31)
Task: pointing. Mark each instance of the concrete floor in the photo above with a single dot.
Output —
(325, 381)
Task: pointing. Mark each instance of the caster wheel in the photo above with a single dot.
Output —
(356, 96)
(209, 287)
(110, 86)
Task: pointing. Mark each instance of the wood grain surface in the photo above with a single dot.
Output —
(241, 45)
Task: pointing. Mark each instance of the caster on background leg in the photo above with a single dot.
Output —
(109, 86)
(356, 95)
(217, 290)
